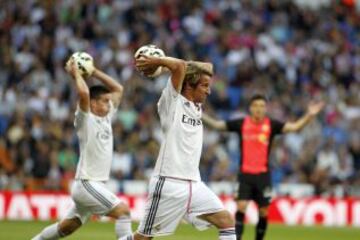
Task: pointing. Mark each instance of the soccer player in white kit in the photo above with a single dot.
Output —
(95, 110)
(176, 191)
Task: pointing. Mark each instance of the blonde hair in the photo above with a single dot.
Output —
(194, 70)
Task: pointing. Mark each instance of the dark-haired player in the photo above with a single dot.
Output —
(95, 110)
(256, 133)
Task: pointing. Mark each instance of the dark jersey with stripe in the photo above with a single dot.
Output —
(255, 142)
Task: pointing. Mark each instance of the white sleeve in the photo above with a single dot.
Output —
(80, 120)
(112, 111)
(168, 96)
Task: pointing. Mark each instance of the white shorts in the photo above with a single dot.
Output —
(171, 200)
(91, 197)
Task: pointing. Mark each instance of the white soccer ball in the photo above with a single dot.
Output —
(84, 62)
(151, 50)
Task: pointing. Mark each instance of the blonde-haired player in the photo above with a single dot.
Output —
(176, 190)
(97, 105)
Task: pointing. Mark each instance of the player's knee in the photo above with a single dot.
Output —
(242, 205)
(263, 211)
(123, 209)
(120, 210)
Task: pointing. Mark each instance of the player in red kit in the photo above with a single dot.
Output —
(256, 133)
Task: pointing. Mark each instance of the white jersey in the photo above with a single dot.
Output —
(96, 145)
(181, 124)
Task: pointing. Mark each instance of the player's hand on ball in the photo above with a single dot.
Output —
(146, 64)
(72, 69)
(147, 60)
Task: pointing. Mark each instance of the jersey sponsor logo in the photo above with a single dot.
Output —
(265, 128)
(107, 119)
(261, 138)
(191, 121)
(103, 135)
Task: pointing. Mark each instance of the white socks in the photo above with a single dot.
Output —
(49, 233)
(130, 237)
(227, 234)
(123, 226)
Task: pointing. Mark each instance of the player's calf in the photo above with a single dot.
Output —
(123, 221)
(239, 218)
(135, 236)
(224, 222)
(239, 225)
(262, 224)
(221, 220)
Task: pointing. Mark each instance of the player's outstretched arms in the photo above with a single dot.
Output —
(313, 110)
(213, 123)
(176, 66)
(115, 87)
(80, 84)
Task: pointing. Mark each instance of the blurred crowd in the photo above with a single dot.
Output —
(290, 53)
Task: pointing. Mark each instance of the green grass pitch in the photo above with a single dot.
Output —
(15, 230)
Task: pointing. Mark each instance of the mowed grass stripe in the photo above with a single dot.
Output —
(19, 230)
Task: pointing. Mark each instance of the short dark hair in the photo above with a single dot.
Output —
(98, 90)
(258, 97)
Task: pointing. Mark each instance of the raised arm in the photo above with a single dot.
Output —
(176, 66)
(115, 88)
(313, 110)
(80, 84)
(213, 123)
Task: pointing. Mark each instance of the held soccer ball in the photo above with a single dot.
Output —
(84, 63)
(151, 50)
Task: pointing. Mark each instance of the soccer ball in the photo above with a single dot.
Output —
(151, 50)
(84, 62)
